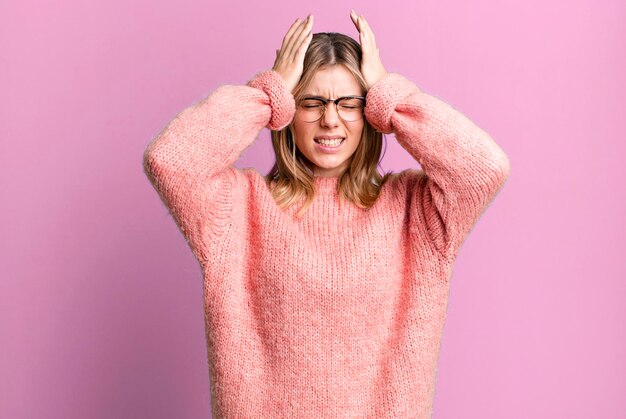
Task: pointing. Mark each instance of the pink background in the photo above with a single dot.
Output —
(101, 299)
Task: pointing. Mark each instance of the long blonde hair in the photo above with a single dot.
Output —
(292, 175)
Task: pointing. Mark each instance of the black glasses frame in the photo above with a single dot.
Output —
(335, 101)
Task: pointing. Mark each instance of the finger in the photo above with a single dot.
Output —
(289, 33)
(363, 40)
(306, 32)
(368, 30)
(290, 38)
(367, 43)
(299, 37)
(293, 36)
(303, 47)
(354, 18)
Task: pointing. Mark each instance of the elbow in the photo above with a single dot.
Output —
(497, 168)
(149, 160)
(499, 163)
(504, 167)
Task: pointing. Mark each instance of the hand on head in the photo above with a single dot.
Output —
(290, 57)
(289, 61)
(371, 66)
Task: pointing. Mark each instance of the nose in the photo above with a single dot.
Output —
(330, 118)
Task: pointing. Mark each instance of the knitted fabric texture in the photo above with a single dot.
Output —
(340, 312)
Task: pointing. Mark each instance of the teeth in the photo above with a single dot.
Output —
(331, 143)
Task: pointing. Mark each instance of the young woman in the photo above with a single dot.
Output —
(326, 283)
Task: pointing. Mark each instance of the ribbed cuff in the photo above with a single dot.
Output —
(383, 97)
(281, 100)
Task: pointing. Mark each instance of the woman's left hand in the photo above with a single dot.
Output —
(371, 66)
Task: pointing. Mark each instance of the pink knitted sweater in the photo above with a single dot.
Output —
(339, 313)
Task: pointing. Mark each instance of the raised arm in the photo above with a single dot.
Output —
(463, 168)
(189, 162)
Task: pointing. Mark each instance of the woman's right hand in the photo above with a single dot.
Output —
(290, 57)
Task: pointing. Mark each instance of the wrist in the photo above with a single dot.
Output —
(280, 99)
(383, 98)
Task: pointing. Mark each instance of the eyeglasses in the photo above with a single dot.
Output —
(349, 108)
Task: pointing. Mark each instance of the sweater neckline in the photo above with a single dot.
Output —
(326, 183)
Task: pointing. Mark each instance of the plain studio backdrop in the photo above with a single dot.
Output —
(100, 297)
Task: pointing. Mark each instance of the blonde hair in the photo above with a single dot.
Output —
(360, 183)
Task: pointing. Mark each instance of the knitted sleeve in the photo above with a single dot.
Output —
(190, 162)
(463, 168)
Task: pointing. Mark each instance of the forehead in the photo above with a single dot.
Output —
(333, 81)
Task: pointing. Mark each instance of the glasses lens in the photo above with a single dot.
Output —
(311, 110)
(350, 109)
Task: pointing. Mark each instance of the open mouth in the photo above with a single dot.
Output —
(330, 144)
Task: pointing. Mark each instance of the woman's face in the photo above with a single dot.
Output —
(329, 83)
